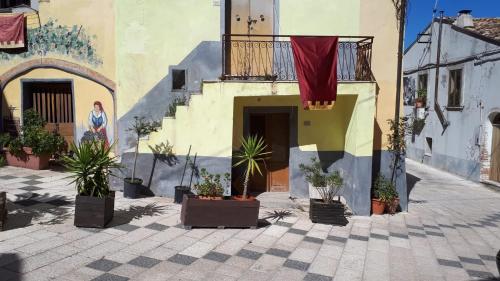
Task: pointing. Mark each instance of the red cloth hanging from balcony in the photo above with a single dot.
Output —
(11, 31)
(316, 67)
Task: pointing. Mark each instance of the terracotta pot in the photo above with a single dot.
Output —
(393, 206)
(240, 198)
(378, 206)
(28, 160)
(419, 104)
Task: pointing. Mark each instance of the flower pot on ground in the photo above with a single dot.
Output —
(34, 146)
(209, 209)
(421, 100)
(141, 128)
(90, 166)
(378, 207)
(180, 191)
(326, 209)
(385, 191)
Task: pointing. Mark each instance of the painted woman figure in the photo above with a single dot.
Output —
(98, 122)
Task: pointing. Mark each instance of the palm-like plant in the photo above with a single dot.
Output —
(90, 166)
(252, 154)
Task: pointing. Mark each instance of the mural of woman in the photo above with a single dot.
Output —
(98, 122)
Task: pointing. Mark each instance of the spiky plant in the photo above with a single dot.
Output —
(90, 166)
(251, 154)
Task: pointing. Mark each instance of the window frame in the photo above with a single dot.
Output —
(457, 105)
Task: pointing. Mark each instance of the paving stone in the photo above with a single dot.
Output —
(433, 233)
(379, 236)
(399, 235)
(313, 240)
(156, 226)
(415, 227)
(32, 182)
(215, 256)
(297, 231)
(358, 237)
(296, 265)
(27, 202)
(30, 188)
(143, 261)
(103, 265)
(278, 252)
(182, 259)
(33, 177)
(480, 274)
(450, 263)
(416, 234)
(249, 254)
(487, 258)
(471, 260)
(268, 263)
(110, 277)
(7, 177)
(317, 277)
(337, 238)
(126, 227)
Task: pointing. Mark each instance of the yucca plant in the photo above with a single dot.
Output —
(252, 153)
(90, 166)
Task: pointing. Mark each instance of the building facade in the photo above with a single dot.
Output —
(465, 139)
(213, 72)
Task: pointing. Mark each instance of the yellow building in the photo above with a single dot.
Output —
(138, 58)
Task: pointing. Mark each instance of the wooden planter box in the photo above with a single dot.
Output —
(93, 211)
(3, 210)
(28, 161)
(219, 213)
(320, 212)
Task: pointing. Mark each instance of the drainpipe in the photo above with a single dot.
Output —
(402, 21)
(437, 108)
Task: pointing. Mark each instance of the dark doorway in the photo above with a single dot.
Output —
(275, 129)
(54, 102)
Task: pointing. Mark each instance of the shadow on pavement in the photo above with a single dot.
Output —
(13, 265)
(124, 216)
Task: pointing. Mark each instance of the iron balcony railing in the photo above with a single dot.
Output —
(270, 58)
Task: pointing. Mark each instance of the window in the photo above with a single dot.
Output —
(179, 79)
(422, 82)
(455, 88)
(13, 3)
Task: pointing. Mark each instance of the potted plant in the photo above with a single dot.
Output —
(421, 100)
(209, 209)
(141, 128)
(4, 142)
(387, 194)
(251, 154)
(326, 209)
(378, 206)
(91, 165)
(34, 146)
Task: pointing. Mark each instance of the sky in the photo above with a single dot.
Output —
(420, 13)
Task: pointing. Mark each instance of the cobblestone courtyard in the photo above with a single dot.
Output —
(451, 232)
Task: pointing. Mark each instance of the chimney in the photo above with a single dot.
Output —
(464, 19)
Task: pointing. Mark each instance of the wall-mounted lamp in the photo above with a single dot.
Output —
(238, 18)
(262, 18)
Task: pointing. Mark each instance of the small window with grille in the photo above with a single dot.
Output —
(179, 80)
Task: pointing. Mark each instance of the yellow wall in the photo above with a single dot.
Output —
(319, 17)
(383, 25)
(213, 122)
(85, 93)
(155, 34)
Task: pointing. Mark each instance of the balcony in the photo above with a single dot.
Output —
(270, 58)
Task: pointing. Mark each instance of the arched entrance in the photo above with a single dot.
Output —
(494, 174)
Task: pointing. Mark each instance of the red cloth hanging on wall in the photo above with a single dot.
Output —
(316, 67)
(11, 31)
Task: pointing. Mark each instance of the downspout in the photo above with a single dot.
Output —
(437, 107)
(402, 21)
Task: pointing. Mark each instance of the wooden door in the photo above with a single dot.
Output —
(251, 56)
(495, 154)
(277, 137)
(275, 129)
(54, 103)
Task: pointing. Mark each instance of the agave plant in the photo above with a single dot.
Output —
(251, 155)
(90, 166)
